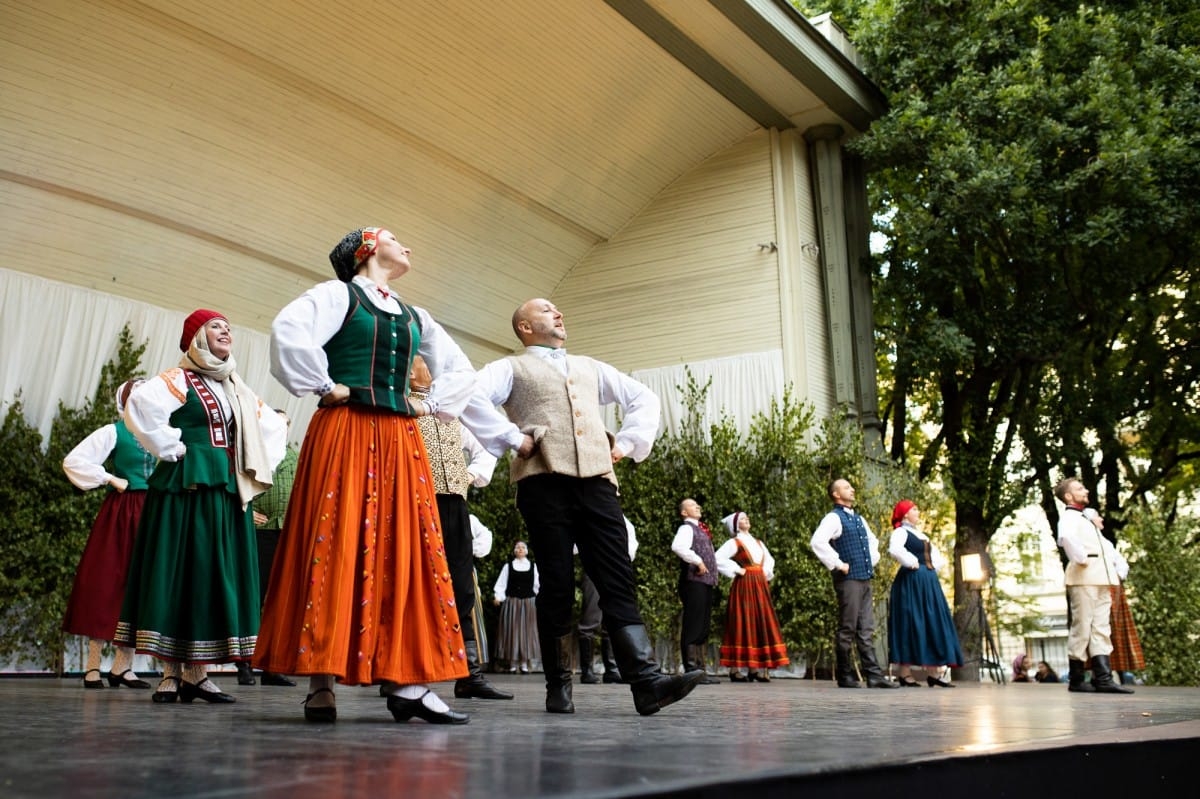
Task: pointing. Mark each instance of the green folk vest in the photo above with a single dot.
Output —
(130, 460)
(565, 412)
(372, 353)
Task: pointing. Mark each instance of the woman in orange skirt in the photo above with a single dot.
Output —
(360, 591)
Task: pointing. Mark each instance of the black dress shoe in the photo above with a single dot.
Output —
(737, 676)
(166, 697)
(478, 688)
(614, 677)
(128, 678)
(245, 673)
(188, 692)
(271, 678)
(326, 714)
(935, 682)
(845, 683)
(908, 682)
(404, 709)
(760, 676)
(96, 683)
(881, 682)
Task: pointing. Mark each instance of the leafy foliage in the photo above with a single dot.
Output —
(1036, 179)
(47, 520)
(1164, 591)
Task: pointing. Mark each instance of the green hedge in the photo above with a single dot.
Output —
(46, 520)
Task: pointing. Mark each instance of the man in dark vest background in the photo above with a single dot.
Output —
(697, 586)
(849, 549)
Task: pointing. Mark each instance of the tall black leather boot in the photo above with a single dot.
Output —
(587, 676)
(1102, 677)
(612, 674)
(556, 663)
(652, 690)
(698, 658)
(475, 685)
(1075, 669)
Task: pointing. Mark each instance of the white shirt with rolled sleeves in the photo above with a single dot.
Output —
(728, 567)
(640, 407)
(830, 529)
(84, 464)
(306, 324)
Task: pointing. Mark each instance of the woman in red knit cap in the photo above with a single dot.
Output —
(920, 628)
(192, 595)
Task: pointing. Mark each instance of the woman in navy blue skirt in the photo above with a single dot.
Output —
(920, 628)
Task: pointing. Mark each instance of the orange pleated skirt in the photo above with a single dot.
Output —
(360, 587)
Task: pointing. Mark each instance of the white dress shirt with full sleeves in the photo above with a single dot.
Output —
(306, 324)
(640, 407)
(84, 464)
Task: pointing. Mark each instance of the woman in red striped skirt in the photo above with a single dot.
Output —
(753, 643)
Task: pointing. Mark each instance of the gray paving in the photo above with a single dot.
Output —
(60, 740)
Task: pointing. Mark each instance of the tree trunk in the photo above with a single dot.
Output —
(971, 539)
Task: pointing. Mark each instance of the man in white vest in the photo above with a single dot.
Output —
(1091, 569)
(567, 495)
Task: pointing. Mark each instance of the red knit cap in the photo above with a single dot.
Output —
(901, 510)
(196, 320)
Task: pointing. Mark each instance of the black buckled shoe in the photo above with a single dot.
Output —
(405, 709)
(188, 692)
(96, 683)
(166, 697)
(325, 714)
(128, 678)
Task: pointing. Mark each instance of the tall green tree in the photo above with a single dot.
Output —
(1037, 180)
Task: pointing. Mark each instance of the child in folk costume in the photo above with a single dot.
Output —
(753, 643)
(515, 591)
(95, 603)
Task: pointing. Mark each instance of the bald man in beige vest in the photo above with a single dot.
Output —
(567, 495)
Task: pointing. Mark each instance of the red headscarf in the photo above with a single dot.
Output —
(901, 510)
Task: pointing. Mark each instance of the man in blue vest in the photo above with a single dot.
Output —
(846, 546)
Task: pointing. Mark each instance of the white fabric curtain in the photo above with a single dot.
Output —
(742, 385)
(55, 338)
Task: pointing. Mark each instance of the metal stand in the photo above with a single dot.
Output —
(989, 655)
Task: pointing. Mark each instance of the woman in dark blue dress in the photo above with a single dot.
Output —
(920, 628)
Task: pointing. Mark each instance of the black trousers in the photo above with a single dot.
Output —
(697, 598)
(561, 512)
(456, 536)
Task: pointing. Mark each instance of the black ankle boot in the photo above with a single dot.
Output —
(1102, 677)
(652, 690)
(1075, 678)
(475, 685)
(556, 664)
(697, 660)
(587, 655)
